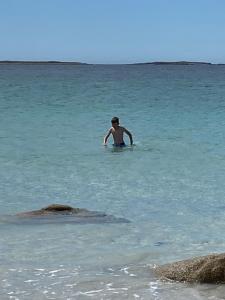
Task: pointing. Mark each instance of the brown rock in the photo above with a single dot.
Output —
(203, 269)
(58, 213)
(53, 209)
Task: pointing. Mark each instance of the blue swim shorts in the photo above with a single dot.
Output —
(119, 145)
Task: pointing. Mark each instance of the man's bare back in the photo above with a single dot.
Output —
(117, 133)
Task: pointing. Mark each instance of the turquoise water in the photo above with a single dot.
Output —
(170, 185)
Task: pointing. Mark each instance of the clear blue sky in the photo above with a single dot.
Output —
(112, 31)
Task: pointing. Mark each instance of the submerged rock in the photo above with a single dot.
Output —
(203, 269)
(58, 213)
(53, 209)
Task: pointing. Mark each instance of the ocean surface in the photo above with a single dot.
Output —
(169, 185)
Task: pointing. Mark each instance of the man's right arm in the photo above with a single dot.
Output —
(130, 135)
(107, 136)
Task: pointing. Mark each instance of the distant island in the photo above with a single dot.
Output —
(41, 62)
(181, 63)
(175, 63)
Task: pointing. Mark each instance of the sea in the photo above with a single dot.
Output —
(168, 187)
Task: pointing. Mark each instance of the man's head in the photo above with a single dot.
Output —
(115, 121)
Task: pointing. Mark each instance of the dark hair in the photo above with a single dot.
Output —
(115, 120)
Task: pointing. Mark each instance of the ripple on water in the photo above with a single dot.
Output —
(127, 282)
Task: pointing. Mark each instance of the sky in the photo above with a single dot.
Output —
(113, 31)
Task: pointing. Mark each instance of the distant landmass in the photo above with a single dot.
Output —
(175, 63)
(41, 62)
(182, 63)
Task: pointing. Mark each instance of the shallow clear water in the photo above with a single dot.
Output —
(170, 185)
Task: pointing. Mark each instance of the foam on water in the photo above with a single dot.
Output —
(112, 283)
(170, 185)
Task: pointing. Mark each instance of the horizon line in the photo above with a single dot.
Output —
(178, 62)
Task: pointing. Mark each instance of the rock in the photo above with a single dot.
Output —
(58, 213)
(203, 269)
(53, 209)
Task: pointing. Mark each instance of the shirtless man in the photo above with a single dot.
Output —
(117, 133)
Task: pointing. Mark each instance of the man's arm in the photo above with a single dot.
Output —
(130, 135)
(107, 136)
